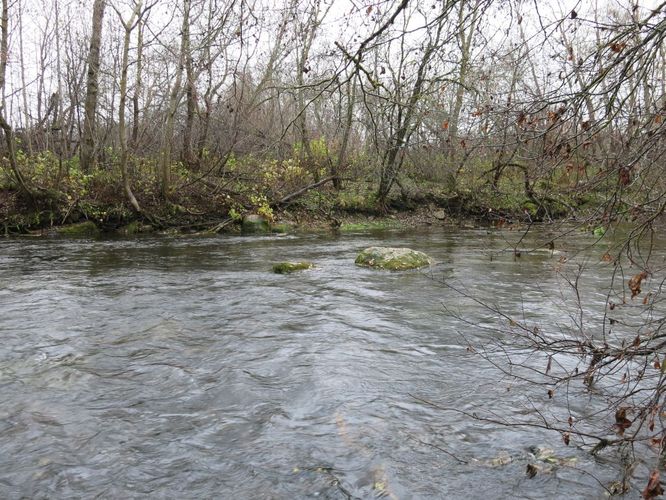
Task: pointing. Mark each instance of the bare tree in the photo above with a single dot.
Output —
(306, 34)
(174, 99)
(467, 23)
(190, 90)
(128, 26)
(137, 84)
(4, 124)
(88, 137)
(347, 121)
(405, 110)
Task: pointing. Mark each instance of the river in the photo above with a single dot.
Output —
(183, 368)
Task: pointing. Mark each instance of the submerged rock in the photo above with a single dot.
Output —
(291, 267)
(86, 229)
(393, 259)
(134, 227)
(255, 224)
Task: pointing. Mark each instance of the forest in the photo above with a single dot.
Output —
(188, 113)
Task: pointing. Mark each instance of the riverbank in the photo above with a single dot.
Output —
(106, 211)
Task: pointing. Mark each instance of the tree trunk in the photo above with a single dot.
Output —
(4, 124)
(190, 91)
(122, 133)
(24, 89)
(309, 31)
(165, 164)
(465, 39)
(137, 86)
(88, 153)
(342, 155)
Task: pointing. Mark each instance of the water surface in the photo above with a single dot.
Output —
(183, 368)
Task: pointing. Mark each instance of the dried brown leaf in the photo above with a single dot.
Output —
(618, 47)
(635, 283)
(621, 421)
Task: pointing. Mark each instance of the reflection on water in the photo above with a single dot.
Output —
(183, 368)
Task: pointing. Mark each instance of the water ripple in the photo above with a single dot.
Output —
(183, 368)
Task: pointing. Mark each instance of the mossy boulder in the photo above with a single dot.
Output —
(291, 267)
(255, 224)
(393, 259)
(86, 229)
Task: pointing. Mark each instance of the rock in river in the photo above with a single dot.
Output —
(291, 267)
(393, 259)
(255, 224)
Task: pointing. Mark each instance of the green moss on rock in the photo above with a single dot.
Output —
(135, 227)
(255, 224)
(86, 229)
(392, 259)
(291, 267)
(371, 225)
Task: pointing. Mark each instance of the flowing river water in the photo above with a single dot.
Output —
(183, 368)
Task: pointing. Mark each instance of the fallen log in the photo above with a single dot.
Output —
(290, 197)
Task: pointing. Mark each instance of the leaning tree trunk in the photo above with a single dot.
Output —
(407, 122)
(393, 157)
(122, 133)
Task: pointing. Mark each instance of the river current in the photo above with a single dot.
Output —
(183, 368)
